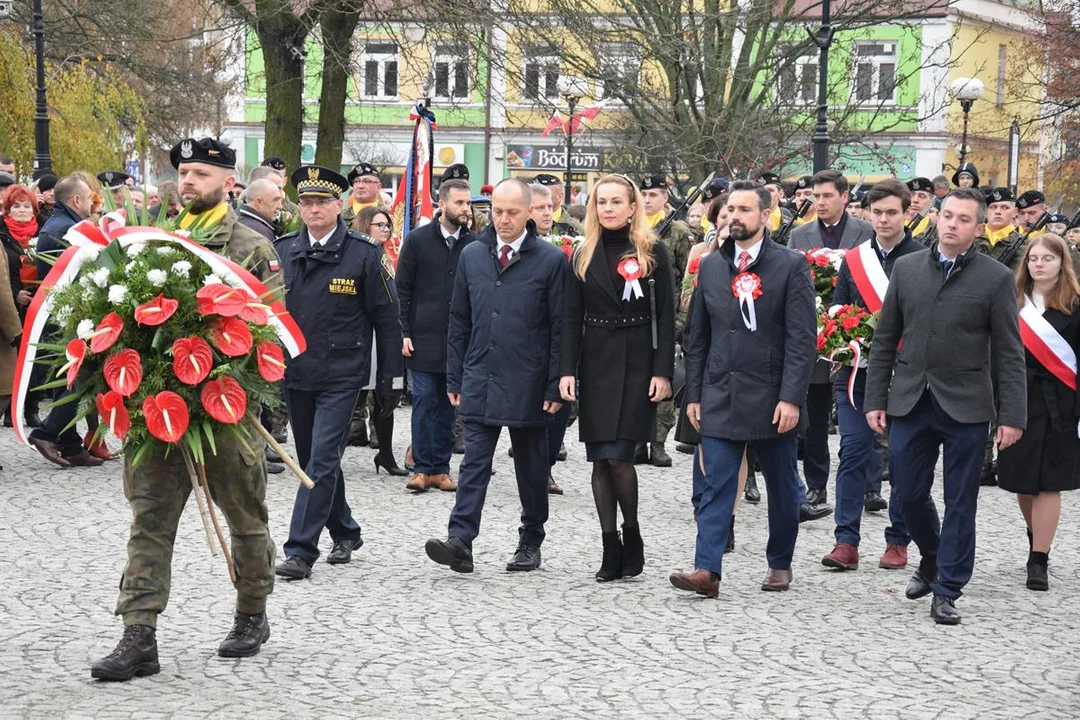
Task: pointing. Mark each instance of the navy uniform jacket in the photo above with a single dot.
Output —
(739, 376)
(502, 350)
(337, 293)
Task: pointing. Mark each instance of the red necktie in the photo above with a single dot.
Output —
(504, 256)
(744, 261)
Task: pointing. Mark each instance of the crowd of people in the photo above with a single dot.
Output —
(631, 316)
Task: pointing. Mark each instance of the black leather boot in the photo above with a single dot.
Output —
(751, 494)
(730, 547)
(135, 656)
(658, 455)
(633, 551)
(641, 454)
(1036, 571)
(247, 636)
(611, 565)
(384, 432)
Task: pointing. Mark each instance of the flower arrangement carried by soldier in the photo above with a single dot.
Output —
(824, 269)
(844, 336)
(566, 243)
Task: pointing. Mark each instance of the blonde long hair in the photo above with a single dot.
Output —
(642, 238)
(1064, 297)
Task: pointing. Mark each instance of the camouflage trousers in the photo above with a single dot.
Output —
(665, 420)
(158, 490)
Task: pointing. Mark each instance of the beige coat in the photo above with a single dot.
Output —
(10, 328)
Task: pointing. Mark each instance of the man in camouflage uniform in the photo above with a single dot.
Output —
(779, 217)
(922, 213)
(564, 223)
(158, 488)
(366, 189)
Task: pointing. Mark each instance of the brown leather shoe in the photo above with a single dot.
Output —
(409, 462)
(699, 581)
(49, 450)
(776, 580)
(553, 487)
(84, 459)
(418, 482)
(442, 481)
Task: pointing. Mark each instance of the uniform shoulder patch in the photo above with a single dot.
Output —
(361, 236)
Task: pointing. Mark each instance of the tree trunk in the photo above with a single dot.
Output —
(338, 23)
(282, 39)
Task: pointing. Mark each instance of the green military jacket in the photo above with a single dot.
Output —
(678, 239)
(247, 248)
(1009, 251)
(565, 224)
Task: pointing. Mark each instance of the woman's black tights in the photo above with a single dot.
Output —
(615, 485)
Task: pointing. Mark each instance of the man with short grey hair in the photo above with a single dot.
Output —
(261, 207)
(540, 210)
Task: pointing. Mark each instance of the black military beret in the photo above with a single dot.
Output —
(715, 189)
(274, 162)
(804, 182)
(207, 151)
(457, 171)
(1000, 194)
(546, 179)
(653, 182)
(1058, 218)
(1029, 198)
(360, 170)
(6, 179)
(920, 184)
(114, 178)
(318, 181)
(47, 182)
(856, 198)
(768, 178)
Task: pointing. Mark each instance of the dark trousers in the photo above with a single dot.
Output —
(779, 465)
(914, 441)
(320, 423)
(530, 467)
(53, 426)
(556, 432)
(819, 399)
(859, 471)
(432, 424)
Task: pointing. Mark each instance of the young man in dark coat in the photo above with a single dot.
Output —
(425, 282)
(955, 310)
(751, 352)
(502, 370)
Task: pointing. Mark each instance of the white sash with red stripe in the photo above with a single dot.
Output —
(869, 275)
(1044, 342)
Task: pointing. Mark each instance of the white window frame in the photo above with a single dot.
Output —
(455, 58)
(625, 60)
(377, 52)
(804, 73)
(889, 57)
(547, 61)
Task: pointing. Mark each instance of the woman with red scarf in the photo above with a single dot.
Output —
(18, 228)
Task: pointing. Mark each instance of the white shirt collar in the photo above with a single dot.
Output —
(447, 235)
(514, 246)
(323, 240)
(754, 251)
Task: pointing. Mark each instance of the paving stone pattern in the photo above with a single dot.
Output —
(392, 635)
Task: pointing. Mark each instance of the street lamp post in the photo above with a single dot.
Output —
(820, 139)
(42, 161)
(967, 91)
(572, 89)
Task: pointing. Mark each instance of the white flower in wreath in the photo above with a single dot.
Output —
(157, 277)
(833, 310)
(88, 253)
(84, 328)
(63, 315)
(134, 249)
(117, 293)
(181, 267)
(182, 233)
(211, 279)
(817, 302)
(165, 250)
(100, 277)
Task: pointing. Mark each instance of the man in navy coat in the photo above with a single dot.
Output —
(751, 352)
(502, 370)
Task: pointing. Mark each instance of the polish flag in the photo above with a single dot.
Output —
(556, 121)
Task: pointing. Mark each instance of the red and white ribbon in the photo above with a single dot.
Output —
(869, 275)
(87, 239)
(1047, 345)
(856, 350)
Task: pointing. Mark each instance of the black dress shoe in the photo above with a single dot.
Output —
(730, 547)
(751, 494)
(273, 468)
(808, 512)
(874, 502)
(526, 557)
(943, 610)
(561, 455)
(271, 455)
(641, 454)
(280, 435)
(342, 551)
(247, 636)
(918, 586)
(293, 567)
(32, 419)
(988, 476)
(135, 656)
(684, 448)
(817, 497)
(453, 553)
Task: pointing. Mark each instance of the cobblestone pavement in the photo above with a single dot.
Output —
(394, 636)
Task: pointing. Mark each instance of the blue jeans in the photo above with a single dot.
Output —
(432, 424)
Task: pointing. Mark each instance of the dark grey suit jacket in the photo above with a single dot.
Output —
(953, 333)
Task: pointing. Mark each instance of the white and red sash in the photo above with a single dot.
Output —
(1045, 343)
(869, 276)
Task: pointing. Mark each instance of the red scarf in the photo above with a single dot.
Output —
(21, 231)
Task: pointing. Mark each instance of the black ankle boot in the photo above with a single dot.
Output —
(1036, 571)
(247, 636)
(135, 656)
(633, 551)
(730, 547)
(611, 566)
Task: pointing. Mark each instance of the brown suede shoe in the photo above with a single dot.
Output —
(553, 487)
(776, 580)
(442, 481)
(84, 459)
(418, 482)
(699, 581)
(49, 450)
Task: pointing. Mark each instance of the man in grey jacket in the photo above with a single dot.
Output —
(947, 336)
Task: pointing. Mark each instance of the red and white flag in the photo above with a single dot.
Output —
(869, 275)
(555, 122)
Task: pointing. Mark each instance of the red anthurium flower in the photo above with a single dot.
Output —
(231, 336)
(220, 299)
(106, 333)
(224, 400)
(123, 372)
(192, 360)
(76, 353)
(166, 416)
(271, 361)
(110, 407)
(156, 311)
(255, 312)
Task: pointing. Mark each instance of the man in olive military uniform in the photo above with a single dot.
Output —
(564, 223)
(922, 213)
(339, 291)
(1002, 239)
(366, 186)
(158, 488)
(804, 190)
(779, 217)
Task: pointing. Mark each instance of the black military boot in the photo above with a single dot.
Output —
(988, 475)
(459, 440)
(751, 494)
(641, 454)
(245, 639)
(658, 455)
(135, 656)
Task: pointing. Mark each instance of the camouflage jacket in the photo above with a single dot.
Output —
(247, 248)
(565, 224)
(678, 240)
(1009, 251)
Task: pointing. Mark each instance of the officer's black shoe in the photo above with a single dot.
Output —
(135, 656)
(247, 636)
(817, 497)
(658, 455)
(919, 584)
(873, 502)
(751, 494)
(281, 435)
(373, 441)
(561, 456)
(808, 512)
(32, 419)
(459, 446)
(641, 454)
(526, 557)
(510, 452)
(944, 611)
(453, 553)
(730, 547)
(342, 551)
(685, 448)
(271, 455)
(273, 468)
(293, 567)
(988, 476)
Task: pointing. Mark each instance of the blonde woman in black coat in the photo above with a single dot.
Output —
(618, 338)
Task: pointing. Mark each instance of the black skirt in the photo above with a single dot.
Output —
(1045, 459)
(610, 450)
